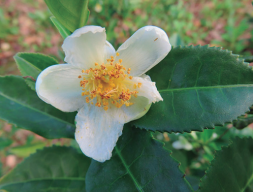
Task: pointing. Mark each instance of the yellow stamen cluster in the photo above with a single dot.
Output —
(108, 83)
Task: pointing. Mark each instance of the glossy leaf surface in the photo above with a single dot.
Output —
(62, 30)
(201, 87)
(71, 14)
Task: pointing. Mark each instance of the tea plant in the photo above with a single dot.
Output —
(186, 94)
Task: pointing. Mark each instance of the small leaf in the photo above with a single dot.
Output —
(31, 65)
(26, 150)
(201, 87)
(232, 168)
(138, 163)
(71, 14)
(21, 106)
(62, 30)
(51, 169)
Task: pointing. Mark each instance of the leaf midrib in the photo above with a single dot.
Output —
(138, 186)
(36, 110)
(248, 182)
(24, 60)
(206, 87)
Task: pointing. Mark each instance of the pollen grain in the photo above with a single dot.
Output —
(108, 84)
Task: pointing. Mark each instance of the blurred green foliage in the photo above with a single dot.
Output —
(196, 150)
(193, 21)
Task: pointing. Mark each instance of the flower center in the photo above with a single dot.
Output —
(108, 83)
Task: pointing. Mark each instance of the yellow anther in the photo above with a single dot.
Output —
(105, 103)
(108, 84)
(102, 67)
(117, 54)
(139, 85)
(120, 60)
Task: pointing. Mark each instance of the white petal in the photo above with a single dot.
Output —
(137, 110)
(109, 51)
(147, 94)
(146, 48)
(148, 88)
(59, 86)
(85, 46)
(97, 131)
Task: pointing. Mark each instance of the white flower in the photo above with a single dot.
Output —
(107, 88)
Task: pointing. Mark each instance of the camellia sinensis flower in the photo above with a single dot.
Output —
(107, 88)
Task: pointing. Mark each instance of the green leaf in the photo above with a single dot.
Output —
(248, 59)
(31, 65)
(201, 87)
(24, 108)
(62, 30)
(138, 163)
(51, 169)
(71, 14)
(232, 168)
(26, 150)
(243, 122)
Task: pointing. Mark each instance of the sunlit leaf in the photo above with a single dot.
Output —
(62, 30)
(71, 14)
